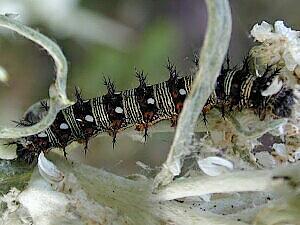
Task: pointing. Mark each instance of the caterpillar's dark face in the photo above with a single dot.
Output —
(283, 102)
(275, 94)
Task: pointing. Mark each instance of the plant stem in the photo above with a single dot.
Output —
(57, 91)
(213, 52)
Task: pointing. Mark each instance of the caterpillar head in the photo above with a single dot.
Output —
(273, 87)
(283, 97)
(283, 102)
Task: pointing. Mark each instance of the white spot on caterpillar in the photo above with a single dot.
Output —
(63, 126)
(118, 110)
(89, 118)
(150, 101)
(274, 88)
(80, 120)
(42, 134)
(182, 91)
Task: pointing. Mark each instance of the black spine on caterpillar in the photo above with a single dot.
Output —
(141, 108)
(142, 78)
(44, 105)
(113, 104)
(148, 104)
(173, 74)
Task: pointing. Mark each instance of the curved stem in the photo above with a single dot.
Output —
(211, 58)
(57, 91)
(231, 182)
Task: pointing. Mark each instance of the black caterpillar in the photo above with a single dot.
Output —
(148, 104)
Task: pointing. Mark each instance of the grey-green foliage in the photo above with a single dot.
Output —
(14, 173)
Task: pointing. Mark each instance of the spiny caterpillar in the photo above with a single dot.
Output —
(142, 107)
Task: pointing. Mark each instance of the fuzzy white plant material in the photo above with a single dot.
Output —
(13, 213)
(93, 196)
(214, 166)
(49, 171)
(283, 42)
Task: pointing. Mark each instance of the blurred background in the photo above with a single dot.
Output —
(110, 38)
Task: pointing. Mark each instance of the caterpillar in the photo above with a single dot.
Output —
(145, 105)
